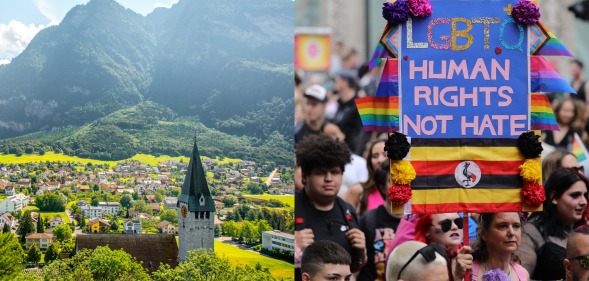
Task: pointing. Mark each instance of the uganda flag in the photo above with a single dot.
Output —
(466, 175)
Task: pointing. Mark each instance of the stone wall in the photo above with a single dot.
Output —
(194, 233)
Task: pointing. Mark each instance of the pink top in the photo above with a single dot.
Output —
(374, 199)
(520, 271)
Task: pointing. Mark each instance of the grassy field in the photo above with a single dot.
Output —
(237, 256)
(286, 199)
(50, 156)
(49, 214)
(278, 268)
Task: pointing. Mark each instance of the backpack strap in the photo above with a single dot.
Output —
(346, 211)
(299, 211)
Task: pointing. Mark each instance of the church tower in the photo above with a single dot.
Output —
(196, 210)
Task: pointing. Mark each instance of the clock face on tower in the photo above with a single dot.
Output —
(184, 211)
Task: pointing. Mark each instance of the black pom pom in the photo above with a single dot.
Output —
(529, 145)
(397, 146)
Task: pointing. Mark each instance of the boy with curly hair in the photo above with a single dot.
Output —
(319, 213)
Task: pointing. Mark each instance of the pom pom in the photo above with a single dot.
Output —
(420, 8)
(402, 172)
(395, 13)
(533, 194)
(400, 194)
(531, 171)
(529, 145)
(397, 146)
(525, 12)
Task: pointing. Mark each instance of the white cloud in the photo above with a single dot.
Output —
(47, 10)
(4, 62)
(166, 6)
(15, 37)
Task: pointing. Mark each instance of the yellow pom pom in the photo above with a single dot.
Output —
(531, 171)
(402, 172)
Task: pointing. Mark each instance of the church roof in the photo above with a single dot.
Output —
(195, 190)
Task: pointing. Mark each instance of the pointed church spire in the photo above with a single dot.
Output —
(195, 191)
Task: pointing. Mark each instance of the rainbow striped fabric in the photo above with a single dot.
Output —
(579, 150)
(546, 43)
(542, 117)
(545, 79)
(380, 54)
(381, 112)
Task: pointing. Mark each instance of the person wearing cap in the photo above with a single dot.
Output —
(347, 115)
(316, 98)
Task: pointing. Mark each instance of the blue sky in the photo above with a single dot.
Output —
(20, 20)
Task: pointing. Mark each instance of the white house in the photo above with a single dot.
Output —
(109, 208)
(131, 226)
(7, 219)
(39, 192)
(14, 203)
(53, 222)
(277, 240)
(91, 212)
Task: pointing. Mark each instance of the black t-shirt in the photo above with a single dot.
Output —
(379, 227)
(348, 117)
(302, 130)
(328, 225)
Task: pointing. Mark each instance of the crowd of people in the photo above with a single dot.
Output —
(345, 228)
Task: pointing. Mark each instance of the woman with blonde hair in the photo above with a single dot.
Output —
(555, 160)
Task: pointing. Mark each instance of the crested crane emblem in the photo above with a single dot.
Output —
(468, 174)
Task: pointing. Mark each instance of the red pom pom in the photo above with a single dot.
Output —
(400, 194)
(533, 194)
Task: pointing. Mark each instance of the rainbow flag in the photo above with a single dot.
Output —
(545, 79)
(379, 114)
(380, 54)
(541, 114)
(389, 80)
(444, 184)
(546, 44)
(580, 151)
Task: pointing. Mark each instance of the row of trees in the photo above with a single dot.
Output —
(278, 219)
(249, 232)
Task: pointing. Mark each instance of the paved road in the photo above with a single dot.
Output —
(269, 179)
(78, 230)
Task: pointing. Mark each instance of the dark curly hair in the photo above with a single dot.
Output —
(321, 151)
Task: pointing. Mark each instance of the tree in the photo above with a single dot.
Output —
(229, 200)
(95, 187)
(254, 188)
(11, 254)
(40, 225)
(114, 226)
(116, 265)
(135, 196)
(34, 254)
(52, 252)
(169, 215)
(82, 222)
(249, 232)
(6, 228)
(262, 226)
(237, 217)
(62, 232)
(126, 201)
(139, 205)
(175, 192)
(95, 201)
(26, 226)
(158, 197)
(201, 265)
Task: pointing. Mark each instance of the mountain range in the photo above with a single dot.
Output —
(226, 66)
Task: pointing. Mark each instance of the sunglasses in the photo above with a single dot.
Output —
(447, 224)
(579, 169)
(429, 254)
(583, 261)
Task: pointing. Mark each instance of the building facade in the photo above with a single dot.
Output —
(131, 226)
(277, 240)
(196, 215)
(91, 212)
(109, 208)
